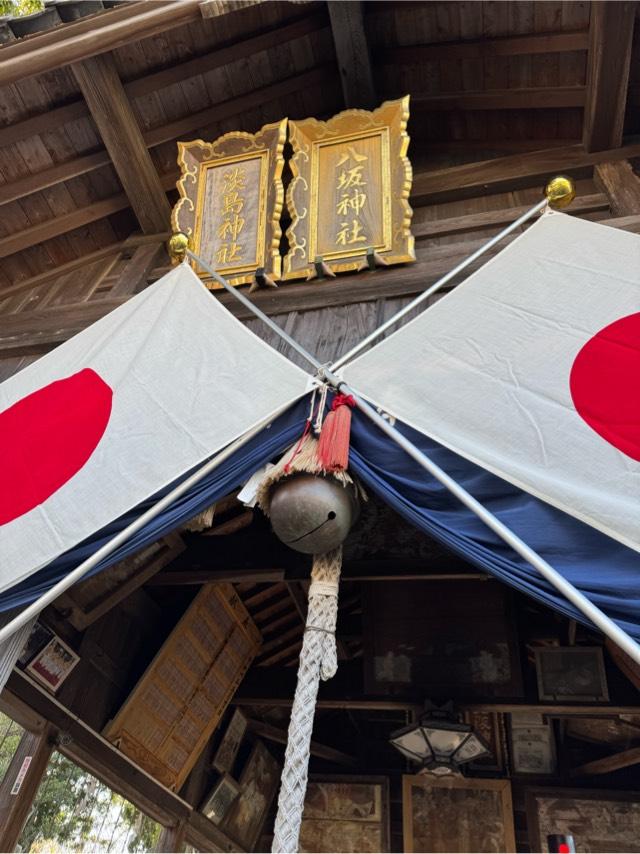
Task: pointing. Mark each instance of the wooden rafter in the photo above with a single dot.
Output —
(279, 736)
(522, 45)
(93, 36)
(352, 52)
(531, 98)
(510, 173)
(621, 185)
(105, 96)
(611, 37)
(609, 764)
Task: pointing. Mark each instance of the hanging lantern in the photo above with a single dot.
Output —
(439, 742)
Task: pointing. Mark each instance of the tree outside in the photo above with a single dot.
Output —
(75, 812)
(20, 8)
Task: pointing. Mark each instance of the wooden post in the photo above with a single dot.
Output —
(621, 185)
(105, 96)
(20, 784)
(611, 37)
(352, 53)
(172, 838)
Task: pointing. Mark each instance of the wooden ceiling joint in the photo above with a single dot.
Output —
(352, 52)
(609, 60)
(107, 101)
(621, 185)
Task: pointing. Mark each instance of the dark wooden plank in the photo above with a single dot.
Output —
(279, 736)
(103, 91)
(622, 186)
(611, 39)
(532, 98)
(16, 797)
(510, 173)
(134, 276)
(520, 45)
(172, 838)
(49, 177)
(352, 52)
(38, 331)
(608, 764)
(86, 38)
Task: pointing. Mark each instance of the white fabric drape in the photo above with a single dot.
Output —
(10, 650)
(186, 378)
(486, 370)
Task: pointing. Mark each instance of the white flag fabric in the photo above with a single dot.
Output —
(121, 410)
(531, 369)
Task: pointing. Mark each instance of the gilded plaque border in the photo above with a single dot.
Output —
(195, 158)
(307, 137)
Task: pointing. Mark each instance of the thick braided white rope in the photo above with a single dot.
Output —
(318, 660)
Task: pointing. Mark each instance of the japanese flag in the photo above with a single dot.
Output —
(531, 368)
(121, 410)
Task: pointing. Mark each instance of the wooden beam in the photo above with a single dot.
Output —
(532, 98)
(423, 228)
(20, 784)
(103, 91)
(279, 736)
(90, 37)
(610, 47)
(172, 838)
(621, 185)
(198, 577)
(510, 173)
(50, 228)
(608, 764)
(36, 331)
(176, 73)
(95, 754)
(48, 177)
(182, 127)
(352, 53)
(524, 45)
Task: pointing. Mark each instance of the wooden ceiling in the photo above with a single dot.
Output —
(91, 111)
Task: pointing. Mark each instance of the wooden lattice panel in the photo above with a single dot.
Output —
(171, 713)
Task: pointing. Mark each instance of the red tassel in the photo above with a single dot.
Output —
(333, 446)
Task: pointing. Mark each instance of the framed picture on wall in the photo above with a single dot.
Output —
(457, 814)
(532, 744)
(347, 814)
(53, 664)
(570, 673)
(219, 801)
(258, 787)
(598, 820)
(230, 744)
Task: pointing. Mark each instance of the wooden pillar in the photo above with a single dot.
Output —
(352, 53)
(611, 37)
(172, 838)
(20, 784)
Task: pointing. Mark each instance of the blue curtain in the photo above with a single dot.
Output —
(605, 571)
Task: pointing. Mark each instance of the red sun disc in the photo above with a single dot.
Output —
(47, 437)
(605, 384)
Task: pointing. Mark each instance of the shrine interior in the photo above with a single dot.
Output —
(503, 97)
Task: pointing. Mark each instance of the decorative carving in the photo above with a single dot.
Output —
(231, 197)
(350, 190)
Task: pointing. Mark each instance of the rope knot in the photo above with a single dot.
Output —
(342, 400)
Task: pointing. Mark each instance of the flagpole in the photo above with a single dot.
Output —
(559, 192)
(80, 571)
(581, 602)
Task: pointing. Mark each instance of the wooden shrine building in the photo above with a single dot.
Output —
(94, 98)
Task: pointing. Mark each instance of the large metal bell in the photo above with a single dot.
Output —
(312, 514)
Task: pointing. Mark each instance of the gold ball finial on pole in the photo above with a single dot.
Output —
(560, 191)
(177, 247)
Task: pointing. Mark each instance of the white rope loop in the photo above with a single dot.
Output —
(318, 660)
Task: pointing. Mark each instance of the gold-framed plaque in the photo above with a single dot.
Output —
(350, 190)
(231, 197)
